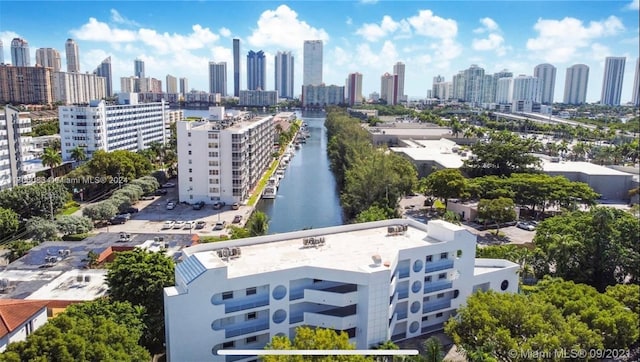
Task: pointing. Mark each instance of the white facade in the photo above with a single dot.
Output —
(374, 283)
(73, 56)
(128, 125)
(388, 88)
(48, 57)
(172, 84)
(398, 69)
(504, 90)
(612, 80)
(635, 99)
(77, 88)
(223, 160)
(575, 84)
(258, 98)
(18, 163)
(312, 66)
(322, 95)
(526, 88)
(546, 74)
(354, 88)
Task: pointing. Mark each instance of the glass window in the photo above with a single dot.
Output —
(227, 295)
(429, 258)
(442, 276)
(444, 255)
(251, 291)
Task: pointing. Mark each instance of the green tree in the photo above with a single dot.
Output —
(627, 294)
(78, 154)
(70, 224)
(8, 221)
(505, 153)
(38, 199)
(258, 223)
(445, 184)
(374, 213)
(19, 248)
(433, 350)
(42, 229)
(310, 339)
(139, 277)
(51, 158)
(500, 210)
(101, 211)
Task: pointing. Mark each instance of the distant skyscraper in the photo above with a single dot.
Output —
(612, 80)
(526, 88)
(104, 70)
(635, 99)
(473, 84)
(73, 56)
(388, 89)
(20, 53)
(546, 74)
(504, 90)
(218, 78)
(1, 53)
(312, 66)
(284, 74)
(172, 84)
(575, 84)
(236, 67)
(184, 86)
(256, 71)
(354, 86)
(398, 69)
(138, 68)
(48, 57)
(458, 83)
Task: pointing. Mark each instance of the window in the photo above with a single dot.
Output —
(252, 315)
(252, 339)
(229, 344)
(190, 179)
(425, 318)
(442, 276)
(188, 134)
(29, 328)
(227, 295)
(444, 255)
(189, 161)
(504, 285)
(190, 170)
(438, 315)
(440, 295)
(427, 279)
(317, 280)
(189, 152)
(251, 291)
(429, 258)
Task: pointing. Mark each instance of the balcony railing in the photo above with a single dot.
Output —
(432, 328)
(402, 294)
(431, 307)
(438, 265)
(402, 315)
(435, 286)
(234, 332)
(246, 304)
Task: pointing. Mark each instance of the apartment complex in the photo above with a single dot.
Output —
(284, 74)
(256, 71)
(73, 56)
(354, 89)
(236, 68)
(48, 57)
(218, 78)
(575, 84)
(258, 98)
(377, 281)
(312, 63)
(18, 163)
(612, 80)
(127, 125)
(20, 56)
(322, 95)
(546, 74)
(26, 85)
(223, 159)
(104, 70)
(78, 88)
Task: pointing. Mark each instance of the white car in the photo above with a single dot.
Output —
(189, 225)
(525, 226)
(178, 225)
(171, 206)
(168, 224)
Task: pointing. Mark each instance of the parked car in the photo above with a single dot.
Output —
(218, 205)
(171, 205)
(161, 192)
(178, 224)
(133, 210)
(124, 215)
(220, 225)
(168, 224)
(200, 224)
(147, 197)
(237, 219)
(117, 220)
(198, 205)
(525, 226)
(168, 185)
(189, 225)
(235, 206)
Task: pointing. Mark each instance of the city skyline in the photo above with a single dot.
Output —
(365, 37)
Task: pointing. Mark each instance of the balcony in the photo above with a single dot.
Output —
(244, 328)
(438, 265)
(403, 294)
(432, 307)
(340, 296)
(401, 315)
(337, 318)
(246, 303)
(432, 328)
(435, 286)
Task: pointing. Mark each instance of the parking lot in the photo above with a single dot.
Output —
(153, 213)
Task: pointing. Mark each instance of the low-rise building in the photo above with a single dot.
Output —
(431, 155)
(19, 318)
(258, 98)
(378, 281)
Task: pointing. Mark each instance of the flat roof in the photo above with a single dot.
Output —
(74, 285)
(586, 168)
(440, 151)
(352, 249)
(409, 131)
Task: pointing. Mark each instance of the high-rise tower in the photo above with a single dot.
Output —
(398, 69)
(354, 86)
(635, 99)
(612, 80)
(48, 57)
(73, 57)
(284, 74)
(218, 78)
(546, 74)
(138, 68)
(104, 70)
(256, 75)
(184, 86)
(312, 66)
(575, 84)
(236, 67)
(1, 53)
(20, 53)
(172, 84)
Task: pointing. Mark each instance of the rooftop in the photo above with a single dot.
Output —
(15, 312)
(440, 151)
(74, 285)
(347, 247)
(586, 168)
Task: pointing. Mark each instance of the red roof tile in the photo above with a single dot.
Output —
(15, 312)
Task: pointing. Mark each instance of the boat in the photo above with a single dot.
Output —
(269, 192)
(280, 173)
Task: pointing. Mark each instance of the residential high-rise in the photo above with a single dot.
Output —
(434, 85)
(1, 53)
(18, 166)
(546, 74)
(385, 280)
(26, 85)
(398, 70)
(635, 99)
(256, 71)
(489, 85)
(73, 56)
(312, 62)
(458, 83)
(236, 67)
(504, 90)
(526, 88)
(284, 74)
(172, 84)
(184, 86)
(612, 81)
(48, 57)
(104, 70)
(322, 95)
(78, 88)
(354, 89)
(138, 68)
(20, 56)
(575, 84)
(218, 78)
(473, 84)
(258, 98)
(388, 89)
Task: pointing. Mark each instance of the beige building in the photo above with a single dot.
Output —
(26, 85)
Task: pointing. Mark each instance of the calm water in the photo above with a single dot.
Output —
(307, 196)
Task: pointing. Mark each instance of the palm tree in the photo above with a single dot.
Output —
(433, 350)
(51, 159)
(78, 154)
(258, 224)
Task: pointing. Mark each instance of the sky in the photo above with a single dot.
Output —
(367, 36)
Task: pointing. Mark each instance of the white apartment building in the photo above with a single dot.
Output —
(223, 160)
(377, 281)
(18, 162)
(77, 88)
(258, 98)
(128, 125)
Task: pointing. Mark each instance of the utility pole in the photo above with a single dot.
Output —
(51, 206)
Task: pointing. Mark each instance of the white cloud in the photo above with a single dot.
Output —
(488, 24)
(282, 28)
(375, 32)
(493, 42)
(116, 17)
(368, 1)
(429, 25)
(349, 21)
(225, 32)
(633, 5)
(96, 30)
(561, 40)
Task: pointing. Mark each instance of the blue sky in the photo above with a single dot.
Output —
(431, 38)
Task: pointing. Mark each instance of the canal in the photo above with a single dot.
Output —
(307, 196)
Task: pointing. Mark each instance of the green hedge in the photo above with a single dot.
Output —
(77, 237)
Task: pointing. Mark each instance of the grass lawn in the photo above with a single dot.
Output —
(263, 182)
(70, 207)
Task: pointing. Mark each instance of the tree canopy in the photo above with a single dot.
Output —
(445, 184)
(505, 153)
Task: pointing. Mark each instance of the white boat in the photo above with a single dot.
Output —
(280, 174)
(269, 192)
